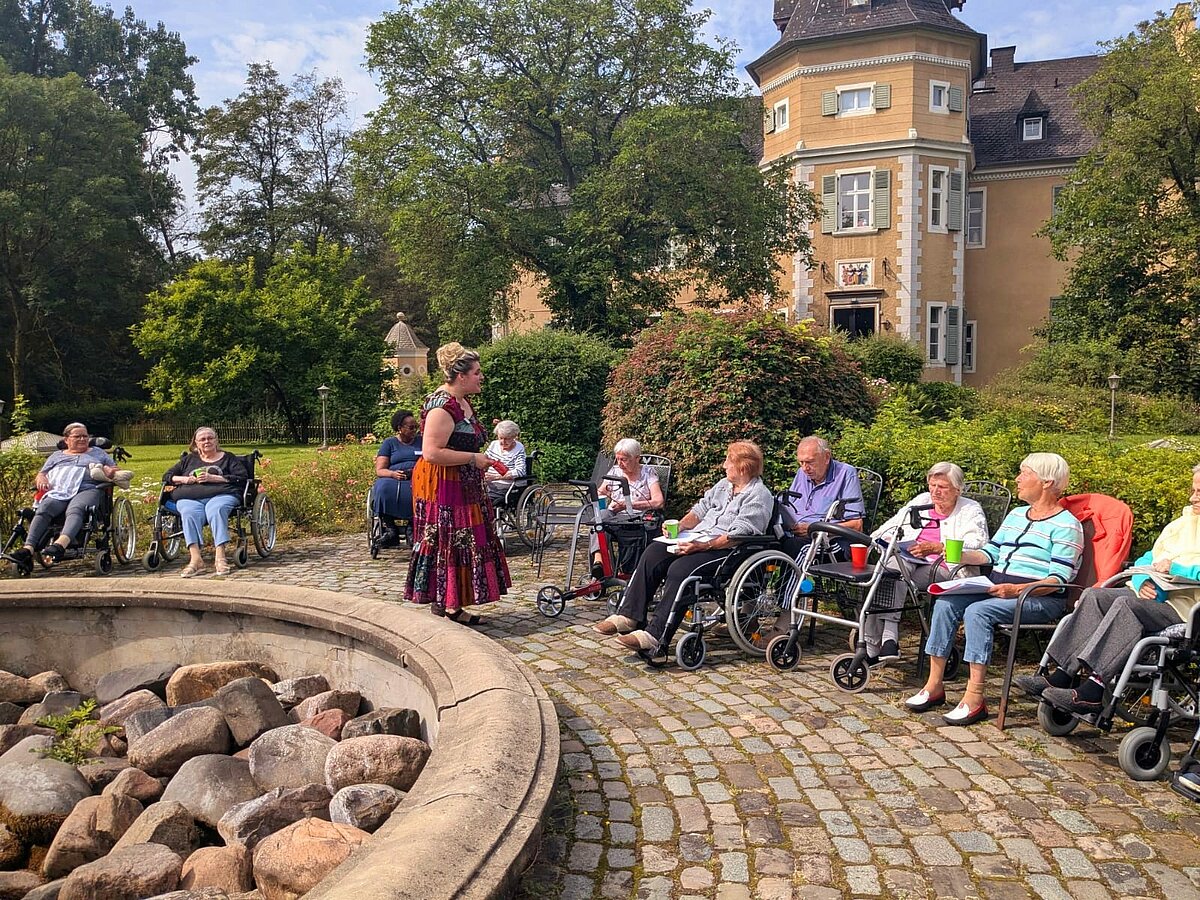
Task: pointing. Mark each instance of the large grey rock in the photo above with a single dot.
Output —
(136, 784)
(168, 823)
(56, 703)
(297, 690)
(11, 735)
(49, 681)
(290, 862)
(36, 797)
(99, 773)
(225, 869)
(27, 750)
(289, 757)
(140, 723)
(90, 831)
(9, 713)
(119, 710)
(376, 759)
(193, 732)
(250, 708)
(199, 682)
(365, 806)
(130, 873)
(48, 891)
(16, 885)
(209, 785)
(18, 689)
(390, 720)
(12, 851)
(151, 676)
(248, 823)
(347, 701)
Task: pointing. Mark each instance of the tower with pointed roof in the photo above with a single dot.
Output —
(407, 356)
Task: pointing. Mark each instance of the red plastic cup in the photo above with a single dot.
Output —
(858, 556)
(501, 468)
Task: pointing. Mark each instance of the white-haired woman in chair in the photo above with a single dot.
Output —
(645, 491)
(1038, 546)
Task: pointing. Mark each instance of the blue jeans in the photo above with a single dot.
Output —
(980, 614)
(214, 510)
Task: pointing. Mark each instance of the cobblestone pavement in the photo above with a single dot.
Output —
(736, 782)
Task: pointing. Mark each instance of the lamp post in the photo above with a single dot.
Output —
(1114, 381)
(323, 393)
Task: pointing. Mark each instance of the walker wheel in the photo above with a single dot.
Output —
(151, 561)
(780, 657)
(690, 650)
(614, 598)
(551, 602)
(849, 676)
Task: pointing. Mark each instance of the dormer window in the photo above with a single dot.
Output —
(853, 3)
(1033, 128)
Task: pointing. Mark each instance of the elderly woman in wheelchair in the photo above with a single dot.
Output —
(206, 485)
(738, 504)
(1090, 647)
(70, 483)
(628, 487)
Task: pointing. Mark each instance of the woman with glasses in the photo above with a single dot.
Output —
(67, 488)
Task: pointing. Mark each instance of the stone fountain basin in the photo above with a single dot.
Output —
(471, 823)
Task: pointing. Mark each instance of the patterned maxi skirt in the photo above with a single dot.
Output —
(457, 559)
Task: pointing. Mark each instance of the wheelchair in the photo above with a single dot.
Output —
(1158, 686)
(378, 537)
(622, 538)
(514, 511)
(109, 530)
(255, 513)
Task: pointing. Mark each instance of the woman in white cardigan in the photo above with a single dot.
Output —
(951, 516)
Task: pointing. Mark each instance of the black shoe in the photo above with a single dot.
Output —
(889, 652)
(1075, 701)
(53, 554)
(22, 557)
(1034, 685)
(871, 661)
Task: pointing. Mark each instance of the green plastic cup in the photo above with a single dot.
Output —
(671, 528)
(954, 549)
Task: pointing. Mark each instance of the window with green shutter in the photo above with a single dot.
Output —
(883, 96)
(829, 204)
(956, 99)
(954, 219)
(883, 198)
(829, 103)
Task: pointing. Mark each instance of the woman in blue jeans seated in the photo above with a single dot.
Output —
(738, 504)
(1039, 544)
(208, 483)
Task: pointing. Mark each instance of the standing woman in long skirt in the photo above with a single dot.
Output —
(457, 560)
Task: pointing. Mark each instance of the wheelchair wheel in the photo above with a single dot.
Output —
(104, 562)
(1144, 757)
(526, 520)
(373, 526)
(124, 531)
(758, 594)
(1055, 721)
(551, 602)
(848, 676)
(953, 660)
(780, 657)
(241, 555)
(262, 525)
(171, 538)
(690, 650)
(152, 560)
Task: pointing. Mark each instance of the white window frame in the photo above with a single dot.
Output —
(782, 113)
(868, 110)
(856, 305)
(1041, 128)
(944, 107)
(870, 192)
(939, 199)
(935, 334)
(1054, 192)
(969, 350)
(967, 211)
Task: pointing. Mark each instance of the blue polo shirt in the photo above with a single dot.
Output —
(841, 483)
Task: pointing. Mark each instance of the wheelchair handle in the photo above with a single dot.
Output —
(854, 537)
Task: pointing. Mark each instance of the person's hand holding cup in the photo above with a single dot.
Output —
(954, 550)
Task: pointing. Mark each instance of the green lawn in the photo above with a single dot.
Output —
(150, 461)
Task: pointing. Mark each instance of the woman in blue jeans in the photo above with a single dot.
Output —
(1038, 544)
(207, 485)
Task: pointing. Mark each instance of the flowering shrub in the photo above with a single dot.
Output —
(324, 494)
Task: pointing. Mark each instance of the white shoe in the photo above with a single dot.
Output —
(615, 624)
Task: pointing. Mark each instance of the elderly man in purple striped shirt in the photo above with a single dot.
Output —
(820, 481)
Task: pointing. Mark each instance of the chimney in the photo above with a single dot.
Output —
(1002, 59)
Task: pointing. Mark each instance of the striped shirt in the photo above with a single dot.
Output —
(1031, 548)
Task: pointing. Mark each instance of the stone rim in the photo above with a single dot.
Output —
(472, 822)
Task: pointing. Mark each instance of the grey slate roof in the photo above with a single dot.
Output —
(1012, 91)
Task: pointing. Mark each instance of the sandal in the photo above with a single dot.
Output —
(463, 618)
(191, 571)
(53, 555)
(222, 570)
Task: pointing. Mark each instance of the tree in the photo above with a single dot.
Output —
(139, 70)
(271, 168)
(74, 259)
(1130, 219)
(597, 144)
(223, 341)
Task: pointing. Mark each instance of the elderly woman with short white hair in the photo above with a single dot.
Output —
(644, 492)
(510, 452)
(1038, 546)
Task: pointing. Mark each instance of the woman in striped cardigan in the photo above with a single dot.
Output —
(1039, 544)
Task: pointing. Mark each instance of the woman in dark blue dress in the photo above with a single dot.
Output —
(393, 469)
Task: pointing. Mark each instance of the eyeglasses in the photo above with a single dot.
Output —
(83, 436)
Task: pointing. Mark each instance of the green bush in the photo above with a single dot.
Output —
(101, 416)
(561, 462)
(324, 494)
(887, 356)
(17, 470)
(935, 401)
(694, 383)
